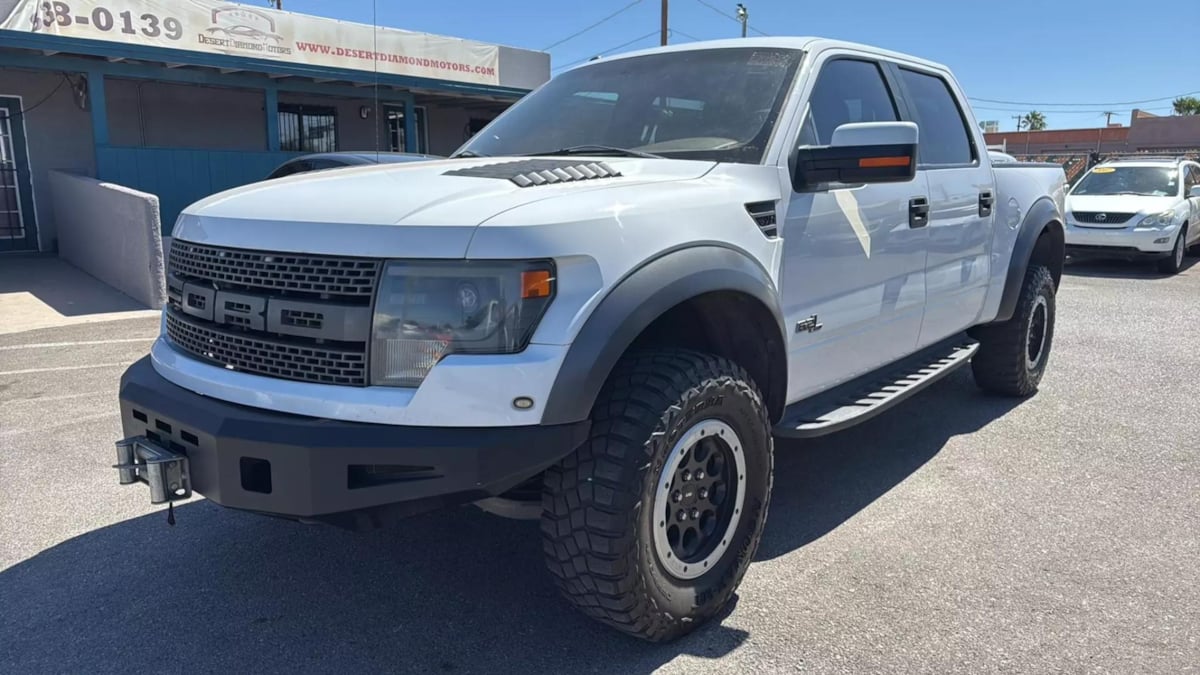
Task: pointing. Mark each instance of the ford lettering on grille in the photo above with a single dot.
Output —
(284, 315)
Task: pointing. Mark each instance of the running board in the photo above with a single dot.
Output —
(865, 397)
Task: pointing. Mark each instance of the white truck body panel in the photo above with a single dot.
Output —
(849, 256)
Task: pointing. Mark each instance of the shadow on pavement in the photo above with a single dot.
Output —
(1122, 269)
(451, 592)
(821, 483)
(61, 288)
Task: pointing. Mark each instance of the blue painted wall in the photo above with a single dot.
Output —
(180, 177)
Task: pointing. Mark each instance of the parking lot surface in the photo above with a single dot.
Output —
(958, 532)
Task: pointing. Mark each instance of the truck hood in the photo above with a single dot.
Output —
(422, 209)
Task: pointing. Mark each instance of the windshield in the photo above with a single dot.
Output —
(715, 104)
(1149, 181)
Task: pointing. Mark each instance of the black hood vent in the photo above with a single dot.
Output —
(763, 214)
(534, 172)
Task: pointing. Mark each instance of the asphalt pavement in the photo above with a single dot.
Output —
(958, 532)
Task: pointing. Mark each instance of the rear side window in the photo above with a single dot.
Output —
(846, 91)
(289, 168)
(943, 137)
(322, 163)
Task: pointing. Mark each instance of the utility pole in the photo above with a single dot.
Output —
(662, 36)
(1020, 121)
(743, 15)
(1108, 117)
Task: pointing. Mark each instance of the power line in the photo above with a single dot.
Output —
(1069, 112)
(1107, 104)
(572, 36)
(731, 17)
(608, 51)
(675, 31)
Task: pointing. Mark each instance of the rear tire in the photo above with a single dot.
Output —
(610, 508)
(1174, 263)
(1012, 355)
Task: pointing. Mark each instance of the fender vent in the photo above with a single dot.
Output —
(534, 172)
(763, 214)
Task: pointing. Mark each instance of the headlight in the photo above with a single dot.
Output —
(427, 310)
(1159, 220)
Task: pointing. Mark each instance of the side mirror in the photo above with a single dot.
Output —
(862, 152)
(1193, 192)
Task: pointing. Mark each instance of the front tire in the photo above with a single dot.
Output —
(1174, 263)
(650, 525)
(1012, 355)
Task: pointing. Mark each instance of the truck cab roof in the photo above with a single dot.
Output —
(805, 44)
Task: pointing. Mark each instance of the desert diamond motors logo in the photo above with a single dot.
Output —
(243, 28)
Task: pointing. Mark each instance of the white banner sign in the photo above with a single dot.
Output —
(218, 27)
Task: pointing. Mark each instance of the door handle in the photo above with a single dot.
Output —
(985, 203)
(918, 212)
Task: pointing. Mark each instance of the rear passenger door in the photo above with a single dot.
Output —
(961, 201)
(853, 262)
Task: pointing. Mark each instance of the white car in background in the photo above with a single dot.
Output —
(1145, 208)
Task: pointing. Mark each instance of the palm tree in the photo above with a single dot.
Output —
(1187, 105)
(1033, 121)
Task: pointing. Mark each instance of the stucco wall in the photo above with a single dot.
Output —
(112, 233)
(58, 134)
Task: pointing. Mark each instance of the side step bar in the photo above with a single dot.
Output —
(865, 397)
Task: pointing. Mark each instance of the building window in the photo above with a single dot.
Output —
(395, 121)
(307, 128)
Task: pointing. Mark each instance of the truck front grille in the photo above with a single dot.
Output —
(299, 273)
(250, 353)
(293, 316)
(1101, 217)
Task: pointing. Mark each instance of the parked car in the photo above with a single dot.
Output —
(332, 160)
(1136, 208)
(999, 157)
(602, 311)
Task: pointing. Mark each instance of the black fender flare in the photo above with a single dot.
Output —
(1043, 214)
(634, 303)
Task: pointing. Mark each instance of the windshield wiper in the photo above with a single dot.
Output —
(596, 150)
(468, 153)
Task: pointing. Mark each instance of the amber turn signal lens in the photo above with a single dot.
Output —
(535, 284)
(882, 162)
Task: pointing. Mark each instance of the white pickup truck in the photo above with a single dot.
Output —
(602, 310)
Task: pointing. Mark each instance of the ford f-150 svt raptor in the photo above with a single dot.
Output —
(605, 305)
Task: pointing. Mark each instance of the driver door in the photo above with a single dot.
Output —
(853, 276)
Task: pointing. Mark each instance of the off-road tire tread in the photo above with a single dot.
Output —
(999, 365)
(590, 501)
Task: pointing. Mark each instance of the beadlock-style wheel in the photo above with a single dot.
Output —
(1035, 344)
(699, 499)
(650, 525)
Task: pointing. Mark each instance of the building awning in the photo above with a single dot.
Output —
(240, 38)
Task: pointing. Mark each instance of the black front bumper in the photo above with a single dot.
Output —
(346, 473)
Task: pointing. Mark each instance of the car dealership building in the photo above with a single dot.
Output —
(183, 99)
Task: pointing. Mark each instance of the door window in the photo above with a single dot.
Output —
(944, 139)
(847, 90)
(307, 128)
(395, 122)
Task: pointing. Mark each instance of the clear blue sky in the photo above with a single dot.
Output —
(1101, 53)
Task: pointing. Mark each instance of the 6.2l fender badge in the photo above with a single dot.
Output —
(809, 325)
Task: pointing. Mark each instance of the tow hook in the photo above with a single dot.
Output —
(164, 471)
